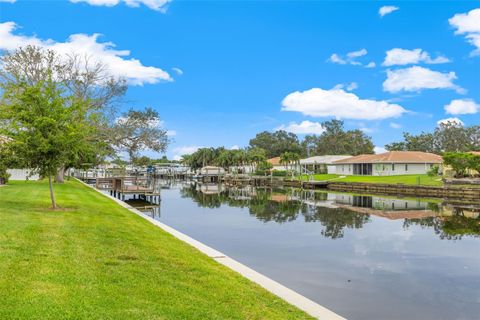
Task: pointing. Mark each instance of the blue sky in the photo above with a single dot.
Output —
(249, 66)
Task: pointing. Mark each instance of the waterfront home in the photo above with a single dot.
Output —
(212, 171)
(389, 163)
(321, 164)
(275, 162)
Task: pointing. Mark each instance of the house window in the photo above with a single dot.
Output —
(406, 167)
(393, 166)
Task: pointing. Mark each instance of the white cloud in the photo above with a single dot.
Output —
(180, 151)
(116, 60)
(469, 25)
(157, 5)
(398, 56)
(338, 103)
(462, 106)
(367, 130)
(349, 86)
(356, 54)
(417, 78)
(454, 121)
(350, 58)
(383, 11)
(234, 147)
(305, 127)
(178, 71)
(378, 150)
(9, 1)
(395, 125)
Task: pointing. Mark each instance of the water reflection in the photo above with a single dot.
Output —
(337, 212)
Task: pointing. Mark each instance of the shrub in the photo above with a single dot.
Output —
(278, 173)
(434, 171)
(460, 162)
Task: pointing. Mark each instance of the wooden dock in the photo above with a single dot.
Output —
(140, 187)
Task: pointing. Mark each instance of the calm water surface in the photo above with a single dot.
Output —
(364, 257)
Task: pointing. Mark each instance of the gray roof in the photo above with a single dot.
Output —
(328, 159)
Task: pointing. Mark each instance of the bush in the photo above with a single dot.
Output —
(278, 173)
(461, 162)
(434, 171)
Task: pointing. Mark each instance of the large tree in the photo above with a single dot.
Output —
(43, 126)
(138, 130)
(81, 78)
(336, 141)
(276, 143)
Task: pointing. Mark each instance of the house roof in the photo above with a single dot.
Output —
(274, 161)
(394, 157)
(327, 159)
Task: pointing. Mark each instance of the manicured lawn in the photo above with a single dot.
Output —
(411, 179)
(96, 260)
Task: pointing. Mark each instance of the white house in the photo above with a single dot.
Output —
(321, 164)
(389, 163)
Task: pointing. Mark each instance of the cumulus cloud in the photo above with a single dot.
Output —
(117, 61)
(398, 56)
(338, 103)
(418, 78)
(157, 5)
(351, 58)
(383, 11)
(234, 147)
(462, 106)
(468, 24)
(395, 125)
(305, 127)
(454, 121)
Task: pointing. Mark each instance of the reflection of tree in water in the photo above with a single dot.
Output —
(335, 220)
(452, 227)
(265, 209)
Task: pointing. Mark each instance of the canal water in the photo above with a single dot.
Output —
(364, 257)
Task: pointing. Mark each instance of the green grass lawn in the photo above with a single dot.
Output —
(96, 260)
(410, 179)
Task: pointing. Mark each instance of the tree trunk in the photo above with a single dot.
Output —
(52, 196)
(60, 177)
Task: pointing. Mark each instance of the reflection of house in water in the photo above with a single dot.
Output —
(242, 193)
(211, 188)
(385, 207)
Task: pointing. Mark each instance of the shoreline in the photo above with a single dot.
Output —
(301, 302)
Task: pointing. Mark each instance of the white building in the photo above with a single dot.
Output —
(389, 163)
(321, 164)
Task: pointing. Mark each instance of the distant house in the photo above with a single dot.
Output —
(212, 171)
(18, 174)
(388, 164)
(321, 164)
(275, 162)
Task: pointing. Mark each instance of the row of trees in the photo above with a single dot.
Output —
(334, 140)
(447, 137)
(463, 163)
(60, 111)
(225, 158)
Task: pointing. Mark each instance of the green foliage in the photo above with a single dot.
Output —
(139, 130)
(460, 162)
(142, 161)
(336, 141)
(276, 143)
(447, 137)
(434, 171)
(279, 173)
